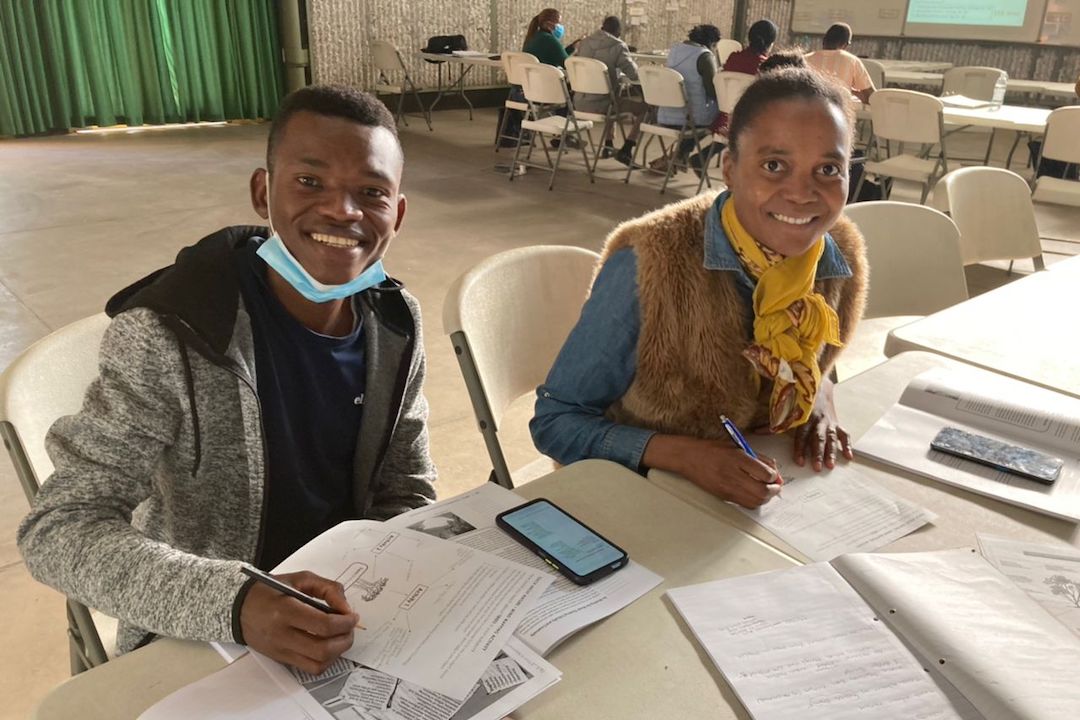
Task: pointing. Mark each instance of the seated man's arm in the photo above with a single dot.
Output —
(862, 86)
(593, 370)
(406, 479)
(626, 64)
(78, 536)
(706, 67)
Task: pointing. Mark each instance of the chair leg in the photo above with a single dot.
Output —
(596, 154)
(517, 152)
(633, 158)
(558, 156)
(400, 113)
(425, 111)
(858, 187)
(925, 192)
(502, 127)
(990, 146)
(705, 167)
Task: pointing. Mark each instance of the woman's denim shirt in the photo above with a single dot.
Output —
(599, 359)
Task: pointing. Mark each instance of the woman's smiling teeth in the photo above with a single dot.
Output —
(791, 220)
(334, 240)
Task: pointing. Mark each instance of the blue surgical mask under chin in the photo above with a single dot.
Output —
(558, 31)
(274, 253)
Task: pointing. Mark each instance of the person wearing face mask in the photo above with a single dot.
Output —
(544, 38)
(733, 304)
(261, 389)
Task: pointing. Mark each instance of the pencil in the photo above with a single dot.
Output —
(286, 589)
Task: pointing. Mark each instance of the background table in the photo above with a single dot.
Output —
(860, 401)
(640, 663)
(1026, 329)
(465, 64)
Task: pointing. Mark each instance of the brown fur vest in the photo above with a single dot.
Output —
(695, 325)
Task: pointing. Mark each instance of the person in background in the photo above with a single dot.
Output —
(606, 46)
(835, 60)
(255, 393)
(695, 60)
(544, 38)
(731, 304)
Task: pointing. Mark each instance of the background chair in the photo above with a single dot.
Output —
(507, 319)
(993, 210)
(1061, 142)
(978, 83)
(902, 117)
(876, 71)
(545, 89)
(512, 63)
(589, 75)
(663, 87)
(729, 87)
(725, 47)
(389, 63)
(48, 380)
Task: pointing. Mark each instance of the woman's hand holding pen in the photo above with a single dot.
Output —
(820, 437)
(717, 466)
(287, 630)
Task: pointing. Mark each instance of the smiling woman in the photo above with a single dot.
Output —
(723, 305)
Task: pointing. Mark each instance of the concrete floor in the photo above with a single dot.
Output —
(84, 215)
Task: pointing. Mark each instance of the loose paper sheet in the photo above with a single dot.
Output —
(829, 513)
(564, 608)
(435, 612)
(800, 643)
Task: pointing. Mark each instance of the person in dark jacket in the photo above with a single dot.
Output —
(260, 390)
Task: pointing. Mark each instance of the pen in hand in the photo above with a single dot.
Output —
(286, 589)
(738, 439)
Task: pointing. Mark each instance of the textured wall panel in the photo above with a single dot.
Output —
(341, 31)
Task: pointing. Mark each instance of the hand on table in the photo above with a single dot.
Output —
(716, 466)
(820, 437)
(287, 630)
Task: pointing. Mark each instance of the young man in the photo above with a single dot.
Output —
(251, 395)
(835, 60)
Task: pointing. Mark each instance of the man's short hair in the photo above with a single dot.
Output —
(612, 25)
(837, 36)
(333, 101)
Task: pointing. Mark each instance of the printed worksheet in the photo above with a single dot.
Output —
(435, 613)
(564, 608)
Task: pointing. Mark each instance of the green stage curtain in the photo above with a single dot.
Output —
(74, 63)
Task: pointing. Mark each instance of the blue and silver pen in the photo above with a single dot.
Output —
(736, 436)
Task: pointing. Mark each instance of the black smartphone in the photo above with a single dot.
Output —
(567, 544)
(1014, 459)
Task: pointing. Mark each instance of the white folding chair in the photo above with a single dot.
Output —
(47, 381)
(729, 87)
(507, 319)
(512, 63)
(545, 90)
(906, 116)
(724, 48)
(977, 83)
(1060, 142)
(992, 208)
(663, 87)
(876, 71)
(589, 75)
(389, 63)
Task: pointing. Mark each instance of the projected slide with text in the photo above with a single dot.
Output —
(999, 13)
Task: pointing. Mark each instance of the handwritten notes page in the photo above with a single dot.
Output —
(834, 512)
(801, 643)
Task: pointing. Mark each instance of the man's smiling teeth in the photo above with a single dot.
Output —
(334, 240)
(792, 220)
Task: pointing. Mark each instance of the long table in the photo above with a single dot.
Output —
(860, 401)
(639, 663)
(1026, 329)
(465, 65)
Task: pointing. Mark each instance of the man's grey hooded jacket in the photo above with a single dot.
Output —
(614, 53)
(158, 496)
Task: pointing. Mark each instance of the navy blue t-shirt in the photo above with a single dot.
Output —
(311, 390)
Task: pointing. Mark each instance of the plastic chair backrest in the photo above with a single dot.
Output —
(906, 116)
(876, 71)
(730, 86)
(914, 256)
(386, 56)
(1062, 138)
(588, 75)
(47, 381)
(662, 86)
(513, 62)
(973, 82)
(724, 48)
(993, 210)
(516, 309)
(544, 84)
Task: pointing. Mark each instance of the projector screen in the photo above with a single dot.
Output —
(1004, 20)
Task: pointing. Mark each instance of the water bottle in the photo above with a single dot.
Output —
(1000, 86)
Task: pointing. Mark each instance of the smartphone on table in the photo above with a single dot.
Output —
(567, 544)
(1014, 459)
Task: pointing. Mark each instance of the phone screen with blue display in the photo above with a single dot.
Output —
(567, 544)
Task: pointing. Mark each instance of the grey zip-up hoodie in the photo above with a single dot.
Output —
(158, 495)
(614, 53)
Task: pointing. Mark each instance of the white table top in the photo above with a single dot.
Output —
(913, 65)
(1026, 329)
(1007, 117)
(650, 57)
(482, 60)
(860, 401)
(913, 77)
(639, 663)
(1044, 87)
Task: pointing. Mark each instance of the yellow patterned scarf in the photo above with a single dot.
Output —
(791, 322)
